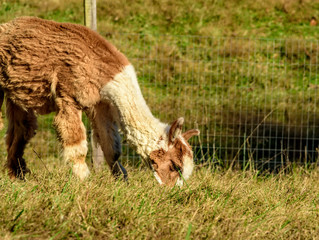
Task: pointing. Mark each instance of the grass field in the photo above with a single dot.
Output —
(205, 60)
(52, 204)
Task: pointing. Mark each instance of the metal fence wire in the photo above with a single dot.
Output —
(254, 100)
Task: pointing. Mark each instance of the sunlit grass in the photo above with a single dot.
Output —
(214, 205)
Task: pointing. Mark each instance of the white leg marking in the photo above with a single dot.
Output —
(81, 170)
(76, 156)
(71, 153)
(179, 182)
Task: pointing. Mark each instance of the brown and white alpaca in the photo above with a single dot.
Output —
(47, 66)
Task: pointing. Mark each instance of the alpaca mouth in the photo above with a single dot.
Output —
(179, 182)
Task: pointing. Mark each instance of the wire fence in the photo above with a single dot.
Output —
(254, 100)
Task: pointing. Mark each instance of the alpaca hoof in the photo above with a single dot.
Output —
(124, 172)
(81, 170)
(119, 171)
(19, 173)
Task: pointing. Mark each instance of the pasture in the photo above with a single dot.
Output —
(185, 50)
(215, 204)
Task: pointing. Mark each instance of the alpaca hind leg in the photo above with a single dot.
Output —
(21, 128)
(71, 133)
(105, 134)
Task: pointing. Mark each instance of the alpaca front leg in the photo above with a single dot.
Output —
(71, 132)
(75, 156)
(97, 153)
(106, 135)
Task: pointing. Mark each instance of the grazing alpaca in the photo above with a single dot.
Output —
(47, 66)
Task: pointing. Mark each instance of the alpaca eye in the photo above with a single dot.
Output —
(155, 166)
(174, 167)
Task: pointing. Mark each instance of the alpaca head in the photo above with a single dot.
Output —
(174, 163)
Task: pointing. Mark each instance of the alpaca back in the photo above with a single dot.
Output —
(42, 60)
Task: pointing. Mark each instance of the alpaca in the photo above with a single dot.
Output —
(66, 68)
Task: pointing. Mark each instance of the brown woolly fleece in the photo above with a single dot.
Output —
(42, 60)
(48, 66)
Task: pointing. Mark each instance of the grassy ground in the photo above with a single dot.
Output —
(208, 79)
(52, 204)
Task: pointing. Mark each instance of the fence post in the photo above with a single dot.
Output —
(90, 21)
(90, 13)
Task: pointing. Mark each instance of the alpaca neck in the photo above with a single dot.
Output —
(142, 131)
(140, 127)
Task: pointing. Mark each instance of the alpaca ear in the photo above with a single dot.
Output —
(175, 130)
(190, 133)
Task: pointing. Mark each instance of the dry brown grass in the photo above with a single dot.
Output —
(213, 205)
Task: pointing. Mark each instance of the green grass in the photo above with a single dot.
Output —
(258, 19)
(52, 204)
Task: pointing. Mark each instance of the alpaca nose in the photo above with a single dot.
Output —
(179, 182)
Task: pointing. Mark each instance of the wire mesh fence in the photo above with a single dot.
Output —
(254, 100)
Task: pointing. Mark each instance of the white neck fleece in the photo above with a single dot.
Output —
(141, 128)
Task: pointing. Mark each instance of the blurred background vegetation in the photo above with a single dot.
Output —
(244, 72)
(246, 18)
